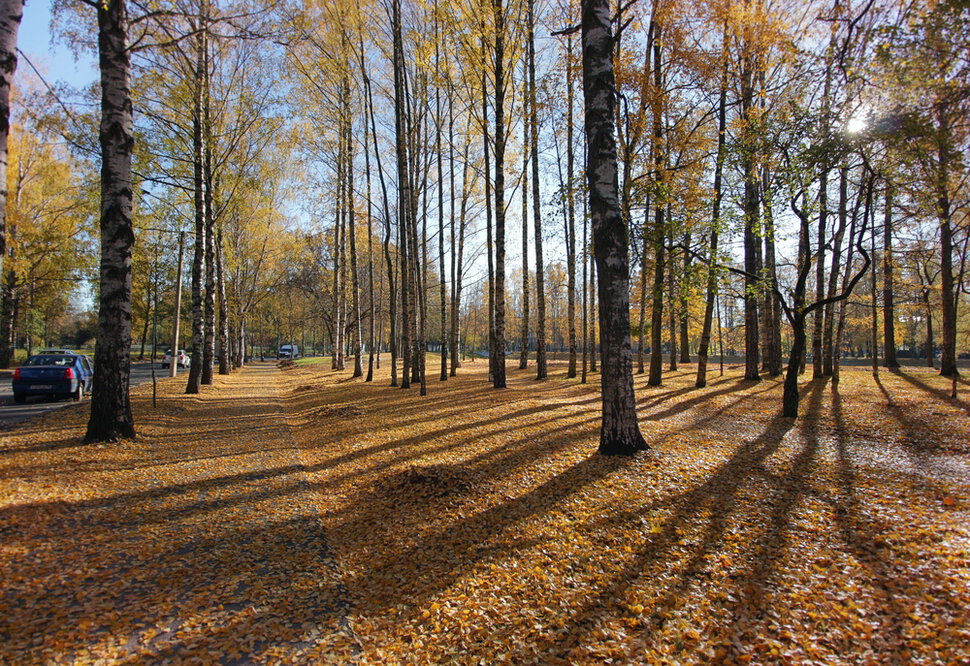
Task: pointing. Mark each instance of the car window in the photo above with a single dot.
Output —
(50, 360)
(87, 363)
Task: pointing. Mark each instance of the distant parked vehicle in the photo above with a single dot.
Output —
(184, 360)
(288, 351)
(66, 375)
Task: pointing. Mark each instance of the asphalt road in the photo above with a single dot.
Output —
(12, 413)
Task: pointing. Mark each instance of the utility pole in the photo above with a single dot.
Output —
(174, 364)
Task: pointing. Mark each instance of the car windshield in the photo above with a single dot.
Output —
(50, 360)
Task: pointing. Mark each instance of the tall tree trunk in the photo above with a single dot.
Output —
(948, 364)
(655, 377)
(657, 154)
(524, 337)
(352, 235)
(392, 292)
(752, 228)
(644, 255)
(11, 13)
(772, 305)
(571, 217)
(489, 244)
(828, 347)
(224, 358)
(592, 303)
(209, 344)
(541, 360)
(404, 191)
(684, 305)
(889, 316)
(499, 18)
(194, 381)
(457, 261)
(818, 323)
(422, 287)
(869, 217)
(619, 432)
(111, 417)
(929, 328)
(372, 341)
(850, 259)
(442, 293)
(672, 317)
(336, 336)
(8, 315)
(585, 287)
(711, 297)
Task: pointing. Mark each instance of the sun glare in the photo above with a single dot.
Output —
(856, 125)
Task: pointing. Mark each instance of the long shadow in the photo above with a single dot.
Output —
(718, 497)
(917, 443)
(410, 574)
(859, 533)
(52, 445)
(154, 505)
(250, 588)
(685, 405)
(656, 399)
(940, 394)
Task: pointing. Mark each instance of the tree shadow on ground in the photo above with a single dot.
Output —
(709, 508)
(939, 393)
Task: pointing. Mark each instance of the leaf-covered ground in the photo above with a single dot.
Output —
(298, 515)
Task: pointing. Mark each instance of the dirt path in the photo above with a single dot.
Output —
(201, 538)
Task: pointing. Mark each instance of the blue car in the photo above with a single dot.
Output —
(62, 375)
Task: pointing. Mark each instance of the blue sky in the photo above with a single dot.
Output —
(55, 61)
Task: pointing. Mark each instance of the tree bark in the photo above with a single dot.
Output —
(111, 418)
(541, 359)
(948, 364)
(655, 377)
(524, 336)
(752, 229)
(209, 344)
(352, 234)
(498, 381)
(570, 218)
(225, 365)
(828, 343)
(11, 14)
(772, 306)
(404, 191)
(704, 348)
(372, 341)
(458, 264)
(392, 292)
(194, 382)
(684, 305)
(619, 432)
(888, 314)
(671, 317)
(442, 294)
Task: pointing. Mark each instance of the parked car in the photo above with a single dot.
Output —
(184, 360)
(55, 375)
(288, 351)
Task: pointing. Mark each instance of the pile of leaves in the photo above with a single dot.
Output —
(297, 515)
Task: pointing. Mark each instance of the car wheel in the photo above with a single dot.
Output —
(79, 393)
(19, 398)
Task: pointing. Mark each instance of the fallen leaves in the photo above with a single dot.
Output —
(295, 515)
